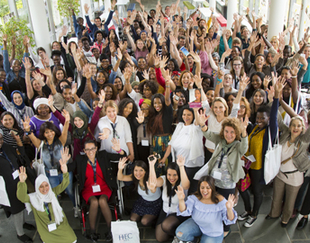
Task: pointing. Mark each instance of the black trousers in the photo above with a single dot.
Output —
(225, 193)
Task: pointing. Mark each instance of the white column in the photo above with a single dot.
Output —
(39, 23)
(276, 17)
(302, 23)
(90, 12)
(12, 6)
(232, 7)
(212, 4)
(107, 6)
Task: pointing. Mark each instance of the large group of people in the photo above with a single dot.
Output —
(180, 109)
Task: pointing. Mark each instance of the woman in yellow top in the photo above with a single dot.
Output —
(266, 121)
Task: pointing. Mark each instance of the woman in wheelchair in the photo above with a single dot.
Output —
(96, 181)
(148, 206)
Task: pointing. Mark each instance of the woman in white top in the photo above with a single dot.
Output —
(148, 206)
(219, 111)
(168, 221)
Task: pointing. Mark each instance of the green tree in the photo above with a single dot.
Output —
(65, 9)
(4, 8)
(18, 28)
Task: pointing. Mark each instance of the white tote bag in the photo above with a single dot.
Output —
(125, 231)
(272, 159)
(38, 164)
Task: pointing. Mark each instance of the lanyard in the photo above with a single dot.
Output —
(7, 158)
(21, 113)
(47, 210)
(144, 130)
(114, 130)
(51, 149)
(222, 157)
(94, 169)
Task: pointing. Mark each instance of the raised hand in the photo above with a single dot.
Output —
(180, 160)
(266, 81)
(26, 124)
(50, 101)
(27, 63)
(201, 117)
(163, 61)
(101, 96)
(270, 93)
(152, 160)
(294, 69)
(253, 37)
(86, 71)
(22, 174)
(5, 37)
(281, 82)
(122, 163)
(127, 74)
(157, 60)
(65, 156)
(140, 117)
(166, 74)
(46, 72)
(227, 53)
(151, 184)
(116, 144)
(244, 82)
(26, 40)
(105, 134)
(38, 76)
(244, 123)
(180, 193)
(86, 8)
(195, 56)
(119, 54)
(145, 74)
(66, 115)
(231, 201)
(13, 41)
(198, 81)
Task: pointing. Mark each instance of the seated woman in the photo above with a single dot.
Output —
(208, 210)
(51, 221)
(168, 220)
(96, 181)
(148, 206)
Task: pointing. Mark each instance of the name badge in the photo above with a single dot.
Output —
(145, 143)
(96, 188)
(82, 153)
(51, 227)
(53, 172)
(15, 174)
(217, 175)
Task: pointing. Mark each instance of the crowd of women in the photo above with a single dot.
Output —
(182, 110)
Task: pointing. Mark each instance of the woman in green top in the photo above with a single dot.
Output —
(51, 221)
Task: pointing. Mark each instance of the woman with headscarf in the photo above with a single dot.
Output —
(80, 128)
(51, 221)
(17, 107)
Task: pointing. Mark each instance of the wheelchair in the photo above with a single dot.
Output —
(115, 203)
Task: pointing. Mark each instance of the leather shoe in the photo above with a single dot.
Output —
(302, 223)
(29, 226)
(24, 238)
(283, 225)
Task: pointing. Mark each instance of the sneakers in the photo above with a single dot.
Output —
(76, 212)
(108, 236)
(243, 216)
(24, 238)
(250, 221)
(175, 240)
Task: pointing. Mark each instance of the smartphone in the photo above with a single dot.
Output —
(184, 50)
(195, 104)
(176, 97)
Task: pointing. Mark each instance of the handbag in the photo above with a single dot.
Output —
(245, 183)
(125, 231)
(38, 164)
(272, 159)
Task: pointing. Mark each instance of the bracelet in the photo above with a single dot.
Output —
(120, 150)
(203, 126)
(167, 86)
(28, 133)
(47, 66)
(294, 76)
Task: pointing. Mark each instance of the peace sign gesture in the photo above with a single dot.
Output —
(180, 193)
(22, 174)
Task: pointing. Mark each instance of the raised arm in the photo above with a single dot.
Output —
(26, 124)
(121, 166)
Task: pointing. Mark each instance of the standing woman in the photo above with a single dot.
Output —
(94, 168)
(17, 107)
(237, 71)
(208, 209)
(148, 206)
(266, 122)
(257, 82)
(225, 165)
(168, 220)
(259, 98)
(294, 161)
(51, 221)
(9, 164)
(160, 125)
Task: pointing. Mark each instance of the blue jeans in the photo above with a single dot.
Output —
(190, 231)
(56, 180)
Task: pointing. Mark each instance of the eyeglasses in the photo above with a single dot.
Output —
(242, 106)
(145, 109)
(89, 150)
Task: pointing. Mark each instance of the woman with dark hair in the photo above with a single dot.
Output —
(208, 209)
(230, 97)
(237, 71)
(148, 206)
(225, 164)
(96, 181)
(58, 74)
(17, 106)
(257, 82)
(168, 220)
(266, 123)
(160, 126)
(172, 65)
(259, 98)
(192, 151)
(52, 142)
(62, 84)
(178, 102)
(9, 124)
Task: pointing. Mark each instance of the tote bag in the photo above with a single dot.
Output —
(125, 231)
(272, 159)
(38, 164)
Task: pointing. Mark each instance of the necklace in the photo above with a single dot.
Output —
(290, 142)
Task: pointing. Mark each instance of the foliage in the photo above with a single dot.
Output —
(4, 8)
(65, 9)
(18, 28)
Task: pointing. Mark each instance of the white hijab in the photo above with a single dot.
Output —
(37, 200)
